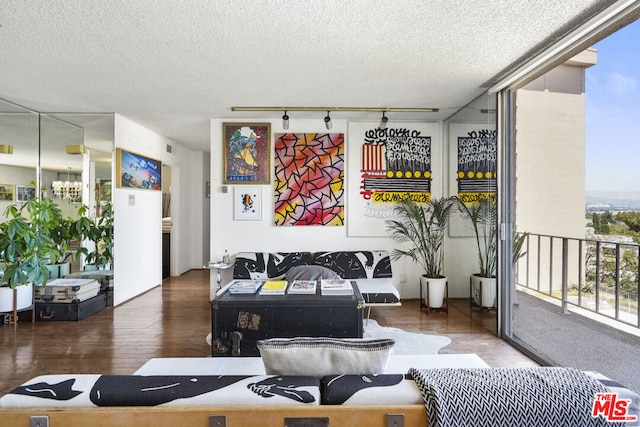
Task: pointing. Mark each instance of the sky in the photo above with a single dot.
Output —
(613, 113)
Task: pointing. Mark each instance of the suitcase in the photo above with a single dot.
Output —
(238, 321)
(74, 311)
(105, 277)
(67, 290)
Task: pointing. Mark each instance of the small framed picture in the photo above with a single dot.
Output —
(247, 203)
(6, 192)
(24, 193)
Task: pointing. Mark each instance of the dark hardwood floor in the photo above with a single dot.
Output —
(173, 321)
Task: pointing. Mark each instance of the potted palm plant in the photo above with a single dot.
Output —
(423, 228)
(483, 215)
(26, 248)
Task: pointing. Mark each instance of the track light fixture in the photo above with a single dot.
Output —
(383, 121)
(327, 121)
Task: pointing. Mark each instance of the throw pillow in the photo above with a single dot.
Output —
(311, 272)
(325, 356)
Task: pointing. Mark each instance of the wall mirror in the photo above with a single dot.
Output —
(68, 156)
(473, 164)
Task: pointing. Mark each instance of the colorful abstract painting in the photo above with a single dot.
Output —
(309, 179)
(137, 171)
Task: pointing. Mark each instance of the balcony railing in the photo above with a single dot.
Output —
(596, 275)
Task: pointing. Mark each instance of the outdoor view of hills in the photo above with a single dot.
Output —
(612, 201)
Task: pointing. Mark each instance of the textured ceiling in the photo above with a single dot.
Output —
(172, 65)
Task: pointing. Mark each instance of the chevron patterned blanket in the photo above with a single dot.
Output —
(541, 396)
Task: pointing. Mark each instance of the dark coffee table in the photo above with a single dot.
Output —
(239, 321)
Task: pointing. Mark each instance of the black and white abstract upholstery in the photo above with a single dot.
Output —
(356, 264)
(267, 265)
(382, 389)
(87, 390)
(508, 396)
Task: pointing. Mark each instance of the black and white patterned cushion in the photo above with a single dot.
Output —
(267, 265)
(382, 389)
(559, 397)
(356, 264)
(87, 390)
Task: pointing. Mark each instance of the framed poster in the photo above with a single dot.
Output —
(137, 171)
(25, 193)
(6, 192)
(246, 153)
(247, 203)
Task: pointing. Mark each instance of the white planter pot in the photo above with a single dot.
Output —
(436, 291)
(25, 298)
(484, 291)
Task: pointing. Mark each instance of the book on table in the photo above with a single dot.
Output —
(336, 287)
(274, 287)
(303, 287)
(242, 286)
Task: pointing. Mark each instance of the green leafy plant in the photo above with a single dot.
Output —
(26, 246)
(483, 215)
(100, 232)
(423, 227)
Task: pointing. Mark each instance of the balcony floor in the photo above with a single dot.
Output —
(576, 341)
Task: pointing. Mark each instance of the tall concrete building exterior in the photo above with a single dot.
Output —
(550, 165)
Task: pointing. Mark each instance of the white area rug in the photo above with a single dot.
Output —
(406, 342)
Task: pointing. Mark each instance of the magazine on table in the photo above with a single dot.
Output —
(274, 287)
(336, 287)
(244, 286)
(303, 287)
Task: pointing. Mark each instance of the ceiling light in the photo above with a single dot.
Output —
(341, 109)
(327, 121)
(383, 121)
(68, 189)
(285, 121)
(6, 149)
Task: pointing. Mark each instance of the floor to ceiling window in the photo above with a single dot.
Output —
(573, 297)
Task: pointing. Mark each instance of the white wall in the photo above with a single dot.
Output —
(240, 236)
(137, 214)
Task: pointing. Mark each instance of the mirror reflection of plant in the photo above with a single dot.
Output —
(484, 219)
(25, 242)
(100, 232)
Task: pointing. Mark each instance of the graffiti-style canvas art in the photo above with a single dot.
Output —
(477, 165)
(309, 179)
(386, 166)
(246, 153)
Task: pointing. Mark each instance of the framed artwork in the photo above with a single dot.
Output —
(103, 190)
(25, 193)
(137, 171)
(247, 203)
(246, 153)
(6, 192)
